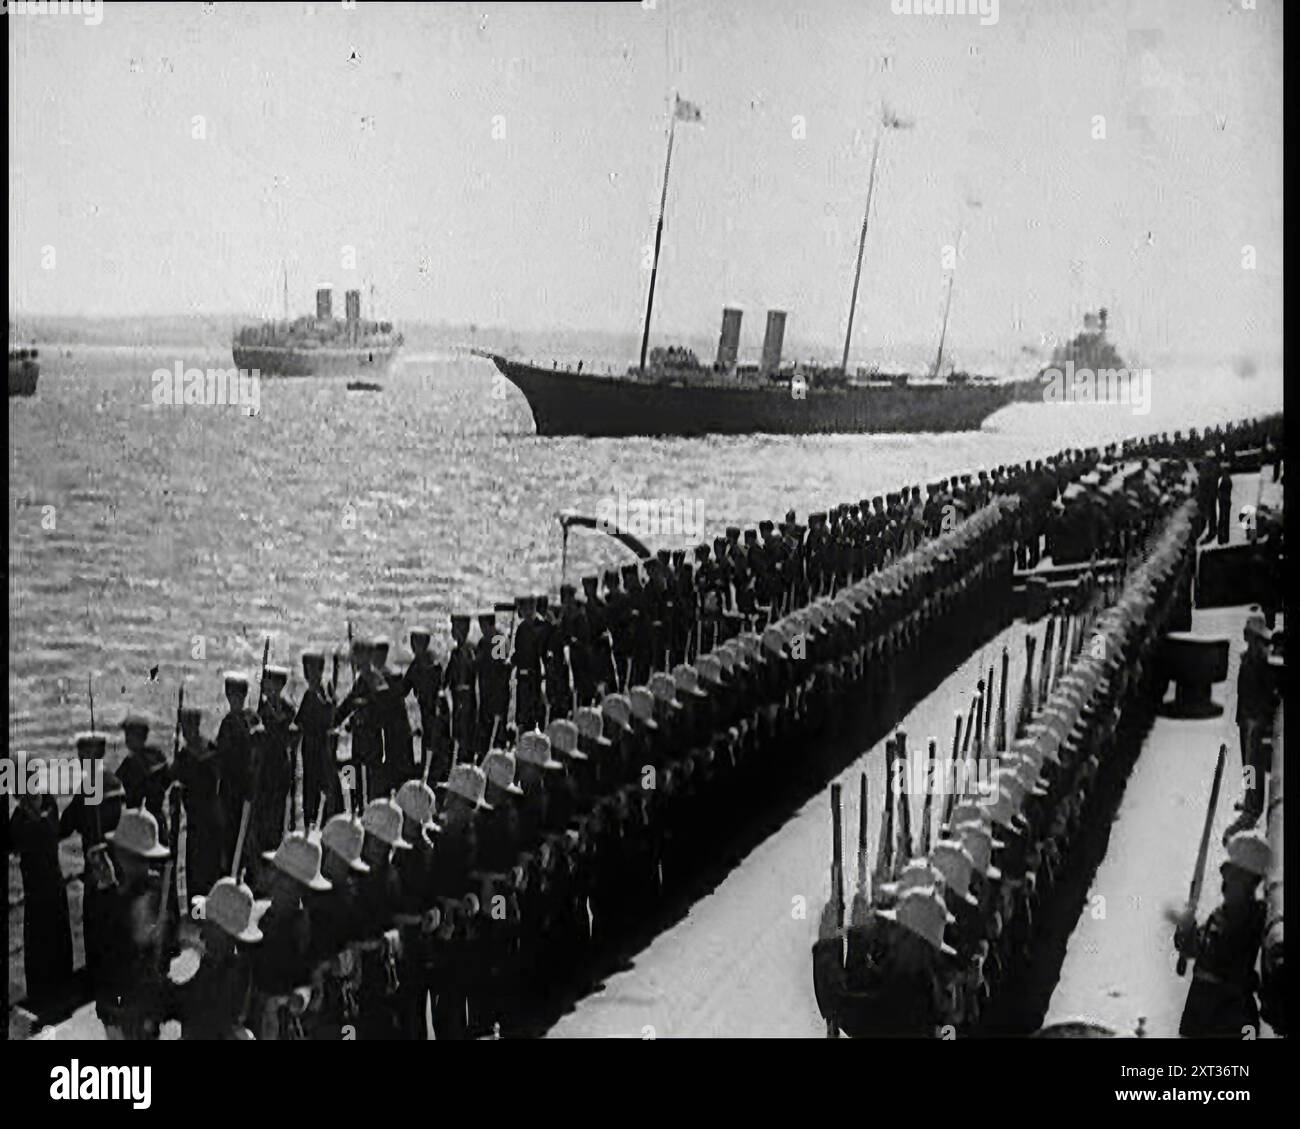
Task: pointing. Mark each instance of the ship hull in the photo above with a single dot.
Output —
(567, 403)
(23, 376)
(272, 360)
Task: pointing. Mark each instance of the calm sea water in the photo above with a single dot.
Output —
(150, 544)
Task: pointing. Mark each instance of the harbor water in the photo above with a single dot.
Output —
(150, 543)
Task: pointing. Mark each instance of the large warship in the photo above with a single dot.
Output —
(672, 393)
(319, 346)
(1089, 348)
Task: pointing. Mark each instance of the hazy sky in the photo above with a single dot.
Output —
(501, 164)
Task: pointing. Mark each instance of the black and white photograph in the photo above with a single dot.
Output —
(649, 521)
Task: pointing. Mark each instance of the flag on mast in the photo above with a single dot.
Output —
(685, 111)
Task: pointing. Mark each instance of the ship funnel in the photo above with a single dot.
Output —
(773, 339)
(352, 299)
(324, 306)
(729, 342)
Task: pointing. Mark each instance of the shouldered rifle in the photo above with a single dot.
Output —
(1198, 875)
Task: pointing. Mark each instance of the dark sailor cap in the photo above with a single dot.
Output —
(190, 715)
(488, 618)
(235, 679)
(567, 591)
(766, 526)
(523, 603)
(93, 744)
(277, 674)
(701, 552)
(733, 533)
(313, 657)
(590, 582)
(460, 619)
(135, 721)
(380, 642)
(751, 536)
(420, 632)
(543, 602)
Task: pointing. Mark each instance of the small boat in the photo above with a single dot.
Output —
(24, 369)
(364, 386)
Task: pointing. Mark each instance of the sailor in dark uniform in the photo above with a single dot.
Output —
(526, 658)
(47, 929)
(235, 756)
(640, 627)
(603, 678)
(424, 680)
(576, 629)
(144, 771)
(399, 752)
(315, 719)
(274, 750)
(363, 701)
(555, 663)
(492, 664)
(618, 624)
(462, 676)
(199, 773)
(92, 817)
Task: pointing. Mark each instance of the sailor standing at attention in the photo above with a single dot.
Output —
(235, 757)
(424, 680)
(144, 772)
(462, 675)
(47, 929)
(399, 752)
(275, 770)
(367, 734)
(314, 720)
(199, 773)
(493, 666)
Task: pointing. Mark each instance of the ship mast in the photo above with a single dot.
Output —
(938, 361)
(888, 120)
(862, 243)
(659, 235)
(682, 111)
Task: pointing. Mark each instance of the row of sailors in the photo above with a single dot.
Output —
(934, 946)
(463, 710)
(469, 898)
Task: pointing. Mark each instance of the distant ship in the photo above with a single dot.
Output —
(672, 393)
(1090, 348)
(319, 346)
(676, 395)
(24, 370)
